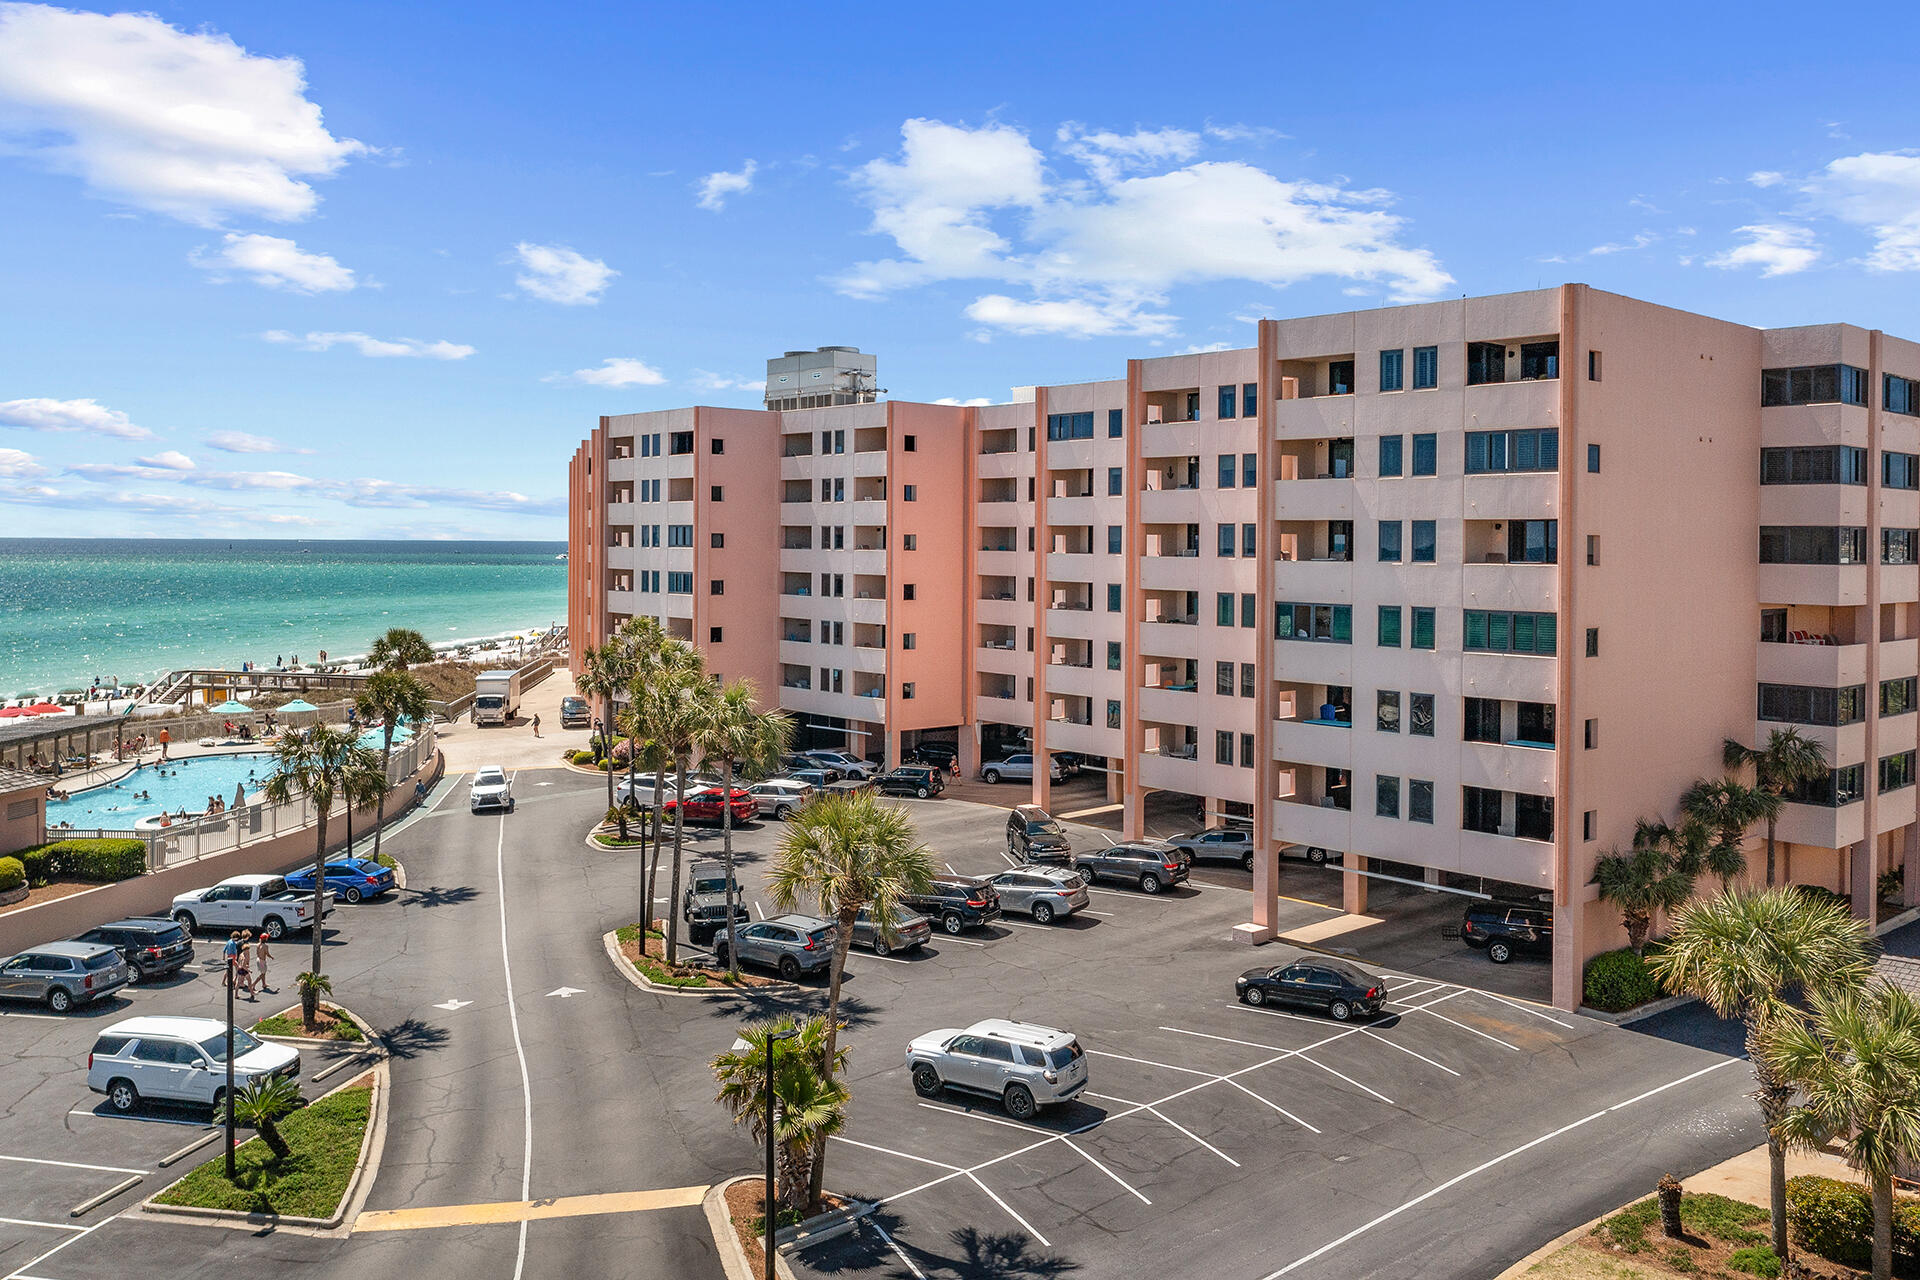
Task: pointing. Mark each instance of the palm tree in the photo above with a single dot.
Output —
(398, 649)
(679, 683)
(1744, 953)
(845, 853)
(363, 783)
(312, 986)
(1788, 759)
(263, 1103)
(313, 762)
(390, 697)
(1859, 1067)
(601, 676)
(811, 1102)
(732, 730)
(1727, 809)
(1657, 875)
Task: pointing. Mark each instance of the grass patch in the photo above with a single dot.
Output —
(386, 860)
(615, 842)
(325, 1138)
(652, 964)
(1705, 1214)
(331, 1025)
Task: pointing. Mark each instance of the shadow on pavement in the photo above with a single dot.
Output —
(441, 896)
(411, 1038)
(973, 1253)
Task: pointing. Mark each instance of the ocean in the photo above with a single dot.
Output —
(73, 610)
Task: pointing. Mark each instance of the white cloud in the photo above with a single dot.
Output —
(721, 382)
(1766, 177)
(245, 442)
(368, 345)
(1100, 257)
(615, 371)
(974, 403)
(1204, 348)
(361, 492)
(558, 274)
(169, 460)
(1640, 241)
(1776, 248)
(1879, 191)
(276, 263)
(18, 464)
(716, 187)
(70, 415)
(186, 124)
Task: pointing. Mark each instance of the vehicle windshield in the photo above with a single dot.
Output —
(215, 1047)
(1064, 1056)
(716, 884)
(489, 778)
(104, 960)
(490, 701)
(1047, 828)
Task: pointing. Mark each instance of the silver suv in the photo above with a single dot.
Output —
(1045, 893)
(791, 944)
(61, 975)
(1027, 1067)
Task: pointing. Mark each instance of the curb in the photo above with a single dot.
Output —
(611, 942)
(804, 1234)
(367, 1041)
(733, 1258)
(1627, 1017)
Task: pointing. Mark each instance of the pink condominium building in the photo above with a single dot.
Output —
(1458, 590)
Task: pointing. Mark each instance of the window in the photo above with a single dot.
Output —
(1896, 546)
(1339, 377)
(716, 587)
(1313, 622)
(1500, 631)
(906, 592)
(1900, 470)
(1392, 369)
(1222, 747)
(1420, 715)
(1386, 711)
(1533, 542)
(1229, 400)
(719, 494)
(1539, 360)
(1590, 734)
(1486, 362)
(909, 542)
(1246, 751)
(1481, 722)
(1249, 470)
(1587, 825)
(1116, 482)
(1773, 626)
(1248, 535)
(1896, 771)
(1593, 642)
(1426, 368)
(679, 535)
(717, 541)
(1426, 454)
(1229, 470)
(1593, 366)
(1390, 541)
(1896, 696)
(1113, 713)
(1386, 796)
(1249, 610)
(1223, 679)
(1116, 423)
(679, 584)
(680, 442)
(1814, 384)
(909, 493)
(1900, 395)
(1250, 400)
(1593, 548)
(1529, 449)
(908, 640)
(1249, 681)
(1422, 628)
(1224, 539)
(1423, 541)
(1827, 464)
(1223, 609)
(1807, 704)
(1390, 626)
(720, 446)
(1420, 801)
(1480, 810)
(1837, 787)
(1113, 655)
(1069, 426)
(906, 690)
(1593, 458)
(1812, 544)
(1390, 447)
(1113, 597)
(713, 635)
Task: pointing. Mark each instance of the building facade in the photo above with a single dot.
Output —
(1458, 591)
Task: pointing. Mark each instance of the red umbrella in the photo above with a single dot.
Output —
(9, 712)
(46, 709)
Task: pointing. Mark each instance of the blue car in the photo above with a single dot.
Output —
(349, 879)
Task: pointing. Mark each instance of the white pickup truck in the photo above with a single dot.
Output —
(261, 903)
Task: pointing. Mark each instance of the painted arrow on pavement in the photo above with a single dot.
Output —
(566, 993)
(453, 1006)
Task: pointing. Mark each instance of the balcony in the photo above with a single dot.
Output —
(1322, 457)
(1316, 742)
(999, 489)
(1511, 360)
(1177, 405)
(1507, 767)
(1842, 585)
(1311, 501)
(1822, 666)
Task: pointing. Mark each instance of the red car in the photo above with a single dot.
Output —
(705, 805)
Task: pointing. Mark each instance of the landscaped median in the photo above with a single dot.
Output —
(331, 1023)
(735, 1210)
(650, 970)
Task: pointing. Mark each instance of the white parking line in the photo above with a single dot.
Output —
(1149, 1062)
(1457, 1179)
(975, 1115)
(1423, 1008)
(50, 1226)
(37, 1017)
(1214, 1078)
(1021, 924)
(69, 1164)
(863, 955)
(898, 1252)
(1030, 1229)
(1402, 1048)
(1088, 1156)
(1105, 915)
(889, 1151)
(1276, 1106)
(191, 1124)
(962, 941)
(1511, 1003)
(1128, 1102)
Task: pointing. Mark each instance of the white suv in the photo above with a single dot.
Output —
(1026, 1066)
(491, 789)
(847, 763)
(180, 1060)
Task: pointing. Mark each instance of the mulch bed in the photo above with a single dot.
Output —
(49, 892)
(687, 975)
(1716, 1228)
(743, 1206)
(328, 1025)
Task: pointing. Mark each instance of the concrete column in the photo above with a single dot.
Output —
(1863, 859)
(1910, 862)
(1133, 813)
(1212, 815)
(1433, 875)
(1266, 900)
(890, 742)
(969, 750)
(1353, 888)
(1116, 783)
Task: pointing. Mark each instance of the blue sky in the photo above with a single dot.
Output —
(371, 271)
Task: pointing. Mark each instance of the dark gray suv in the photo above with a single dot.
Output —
(1151, 864)
(1036, 835)
(791, 944)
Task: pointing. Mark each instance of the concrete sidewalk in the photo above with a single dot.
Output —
(467, 746)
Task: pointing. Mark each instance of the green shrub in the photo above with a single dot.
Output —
(1835, 1220)
(1755, 1260)
(1890, 884)
(37, 860)
(99, 861)
(582, 756)
(13, 874)
(1617, 980)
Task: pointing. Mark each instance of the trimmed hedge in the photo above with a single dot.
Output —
(1835, 1220)
(13, 874)
(1617, 980)
(98, 861)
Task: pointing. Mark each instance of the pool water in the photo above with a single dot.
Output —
(176, 785)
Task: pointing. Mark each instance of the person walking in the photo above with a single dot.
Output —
(231, 951)
(536, 725)
(243, 962)
(260, 957)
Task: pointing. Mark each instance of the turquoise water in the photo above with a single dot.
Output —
(184, 784)
(73, 610)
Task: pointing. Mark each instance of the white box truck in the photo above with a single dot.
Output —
(496, 697)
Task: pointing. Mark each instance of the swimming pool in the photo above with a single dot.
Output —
(176, 785)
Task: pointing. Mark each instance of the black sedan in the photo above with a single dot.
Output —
(1334, 987)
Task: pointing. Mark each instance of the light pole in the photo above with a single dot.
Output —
(767, 1201)
(231, 964)
(646, 816)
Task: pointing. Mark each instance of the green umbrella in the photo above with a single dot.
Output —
(229, 708)
(299, 704)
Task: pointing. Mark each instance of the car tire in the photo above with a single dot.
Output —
(1149, 883)
(59, 999)
(1042, 913)
(185, 920)
(134, 976)
(1318, 857)
(880, 947)
(720, 956)
(352, 896)
(1246, 861)
(789, 968)
(953, 922)
(1254, 996)
(921, 793)
(1340, 1011)
(783, 812)
(1018, 1101)
(926, 1081)
(1499, 952)
(122, 1096)
(990, 776)
(275, 928)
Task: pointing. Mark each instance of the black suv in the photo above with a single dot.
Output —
(1506, 929)
(940, 755)
(154, 948)
(957, 902)
(911, 780)
(1034, 835)
(574, 712)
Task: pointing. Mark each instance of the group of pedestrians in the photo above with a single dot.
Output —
(247, 962)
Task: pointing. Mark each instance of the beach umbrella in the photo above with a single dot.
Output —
(229, 708)
(46, 708)
(299, 704)
(10, 712)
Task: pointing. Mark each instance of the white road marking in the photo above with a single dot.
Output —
(1374, 1035)
(1522, 1005)
(453, 1005)
(1399, 991)
(77, 1233)
(1149, 1062)
(1128, 1102)
(949, 867)
(1088, 1157)
(1022, 924)
(1423, 1008)
(866, 955)
(1300, 1054)
(97, 1115)
(889, 1151)
(49, 1226)
(1030, 1228)
(1276, 1106)
(1215, 1078)
(756, 910)
(898, 1252)
(1105, 915)
(1011, 860)
(1457, 1179)
(519, 1049)
(963, 942)
(975, 1115)
(566, 993)
(69, 1164)
(38, 1017)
